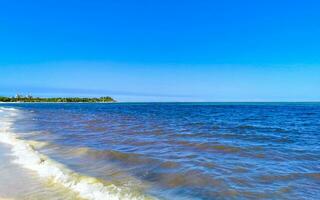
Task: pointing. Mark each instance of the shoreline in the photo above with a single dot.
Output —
(25, 155)
(19, 183)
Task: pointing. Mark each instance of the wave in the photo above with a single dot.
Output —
(262, 128)
(218, 147)
(128, 158)
(87, 187)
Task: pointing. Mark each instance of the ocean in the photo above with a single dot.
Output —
(171, 151)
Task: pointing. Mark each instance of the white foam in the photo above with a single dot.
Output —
(87, 187)
(8, 109)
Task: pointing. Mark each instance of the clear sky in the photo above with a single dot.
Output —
(162, 50)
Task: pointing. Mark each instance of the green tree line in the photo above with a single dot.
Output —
(29, 98)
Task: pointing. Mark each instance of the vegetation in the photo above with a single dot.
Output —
(29, 98)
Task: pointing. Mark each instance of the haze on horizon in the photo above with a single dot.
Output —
(162, 50)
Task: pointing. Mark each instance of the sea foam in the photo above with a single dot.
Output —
(27, 156)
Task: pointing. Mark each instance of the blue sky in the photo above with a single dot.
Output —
(164, 50)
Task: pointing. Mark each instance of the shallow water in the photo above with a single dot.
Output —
(19, 183)
(173, 150)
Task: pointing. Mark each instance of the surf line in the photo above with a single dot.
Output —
(26, 155)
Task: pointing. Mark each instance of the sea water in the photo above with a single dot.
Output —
(164, 150)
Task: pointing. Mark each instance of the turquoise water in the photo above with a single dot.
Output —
(181, 150)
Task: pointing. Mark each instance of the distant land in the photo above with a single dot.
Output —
(30, 99)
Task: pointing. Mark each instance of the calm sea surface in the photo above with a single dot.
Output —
(183, 150)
